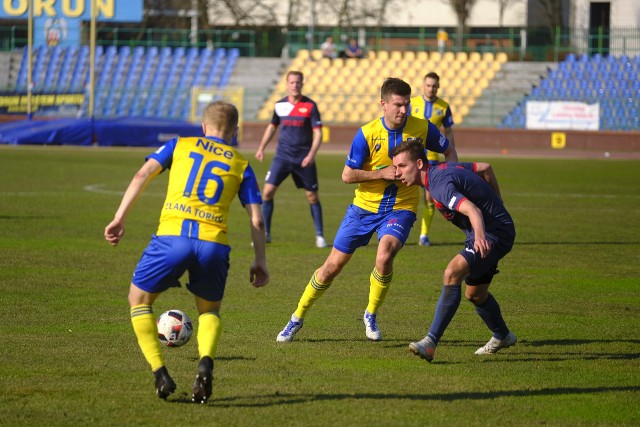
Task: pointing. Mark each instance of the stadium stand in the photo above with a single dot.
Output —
(358, 81)
(610, 81)
(130, 81)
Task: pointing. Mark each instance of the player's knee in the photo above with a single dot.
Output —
(384, 262)
(452, 275)
(312, 197)
(475, 299)
(268, 192)
(328, 272)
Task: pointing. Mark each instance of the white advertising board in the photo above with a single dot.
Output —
(563, 115)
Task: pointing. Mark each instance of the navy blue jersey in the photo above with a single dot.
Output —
(296, 122)
(451, 183)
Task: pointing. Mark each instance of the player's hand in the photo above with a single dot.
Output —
(388, 173)
(307, 161)
(258, 275)
(482, 246)
(259, 155)
(113, 232)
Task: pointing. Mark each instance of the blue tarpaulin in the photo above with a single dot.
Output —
(125, 131)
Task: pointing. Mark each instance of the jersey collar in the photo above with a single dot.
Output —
(425, 181)
(400, 129)
(216, 139)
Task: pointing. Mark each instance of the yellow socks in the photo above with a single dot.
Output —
(209, 331)
(379, 285)
(427, 217)
(144, 326)
(312, 292)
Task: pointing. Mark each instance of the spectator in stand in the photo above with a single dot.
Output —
(328, 48)
(353, 50)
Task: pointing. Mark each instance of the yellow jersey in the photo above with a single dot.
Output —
(437, 112)
(206, 174)
(370, 150)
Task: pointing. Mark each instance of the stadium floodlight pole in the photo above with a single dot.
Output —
(193, 35)
(312, 25)
(29, 57)
(92, 59)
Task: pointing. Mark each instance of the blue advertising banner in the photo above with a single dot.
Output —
(57, 22)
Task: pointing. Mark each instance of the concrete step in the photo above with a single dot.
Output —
(506, 90)
(258, 76)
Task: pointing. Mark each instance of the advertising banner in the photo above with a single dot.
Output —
(563, 115)
(57, 22)
(67, 105)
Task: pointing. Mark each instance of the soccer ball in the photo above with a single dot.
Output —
(174, 328)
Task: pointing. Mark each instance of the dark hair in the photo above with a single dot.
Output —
(394, 86)
(295, 73)
(413, 147)
(432, 75)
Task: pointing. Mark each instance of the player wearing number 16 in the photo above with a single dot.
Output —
(205, 176)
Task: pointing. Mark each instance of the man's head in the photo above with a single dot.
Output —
(220, 119)
(409, 159)
(395, 97)
(430, 86)
(295, 81)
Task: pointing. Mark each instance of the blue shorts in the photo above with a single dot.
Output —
(483, 269)
(358, 226)
(280, 169)
(166, 258)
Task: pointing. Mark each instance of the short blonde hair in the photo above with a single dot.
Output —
(222, 116)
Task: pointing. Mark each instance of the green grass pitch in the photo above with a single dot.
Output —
(569, 290)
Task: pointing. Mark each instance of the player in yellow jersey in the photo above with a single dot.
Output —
(205, 176)
(380, 205)
(429, 107)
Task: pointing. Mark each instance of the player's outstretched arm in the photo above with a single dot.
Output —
(486, 172)
(114, 231)
(258, 273)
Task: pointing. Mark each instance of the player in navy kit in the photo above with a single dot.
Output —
(298, 142)
(474, 206)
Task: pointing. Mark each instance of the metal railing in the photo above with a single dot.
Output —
(521, 44)
(16, 37)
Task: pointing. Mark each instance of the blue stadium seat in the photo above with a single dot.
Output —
(64, 76)
(52, 70)
(571, 57)
(212, 75)
(80, 70)
(535, 92)
(575, 93)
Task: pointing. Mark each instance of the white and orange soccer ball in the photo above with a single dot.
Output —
(174, 328)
